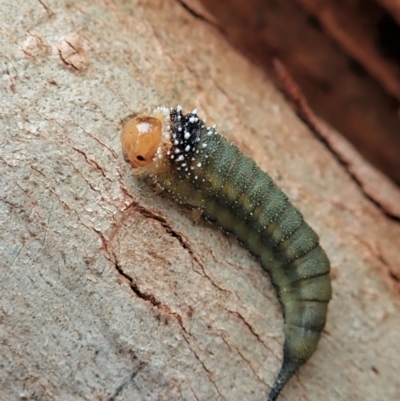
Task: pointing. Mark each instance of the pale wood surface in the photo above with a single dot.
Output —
(108, 290)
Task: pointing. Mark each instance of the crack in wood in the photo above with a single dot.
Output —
(231, 346)
(64, 61)
(200, 16)
(209, 373)
(48, 10)
(164, 309)
(250, 328)
(127, 381)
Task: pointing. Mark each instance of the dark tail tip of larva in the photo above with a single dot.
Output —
(300, 344)
(289, 367)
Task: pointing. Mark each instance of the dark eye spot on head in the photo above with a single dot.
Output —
(141, 158)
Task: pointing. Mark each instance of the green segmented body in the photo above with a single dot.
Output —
(208, 172)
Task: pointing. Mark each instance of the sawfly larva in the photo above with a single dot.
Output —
(204, 170)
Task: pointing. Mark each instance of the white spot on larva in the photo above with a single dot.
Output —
(179, 129)
(198, 164)
(176, 142)
(194, 111)
(177, 150)
(183, 164)
(145, 127)
(179, 108)
(187, 134)
(187, 148)
(209, 132)
(204, 145)
(195, 177)
(180, 158)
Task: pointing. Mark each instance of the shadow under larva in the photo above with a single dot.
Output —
(204, 170)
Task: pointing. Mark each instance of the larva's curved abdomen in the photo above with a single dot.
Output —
(205, 170)
(244, 200)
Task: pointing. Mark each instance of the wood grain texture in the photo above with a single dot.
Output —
(110, 292)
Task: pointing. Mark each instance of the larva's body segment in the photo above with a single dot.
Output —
(202, 169)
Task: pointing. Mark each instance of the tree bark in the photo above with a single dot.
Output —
(109, 291)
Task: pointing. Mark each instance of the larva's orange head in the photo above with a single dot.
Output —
(140, 140)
